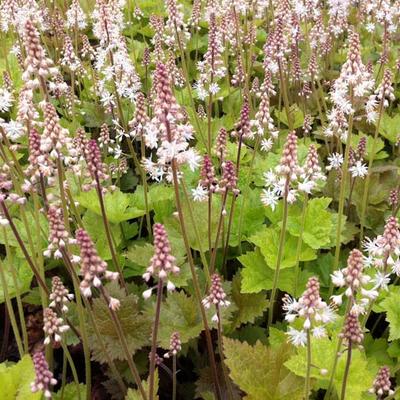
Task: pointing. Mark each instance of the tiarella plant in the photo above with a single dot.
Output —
(200, 200)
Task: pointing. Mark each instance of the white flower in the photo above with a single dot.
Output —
(215, 318)
(14, 130)
(326, 315)
(107, 99)
(381, 280)
(170, 286)
(291, 307)
(269, 198)
(291, 196)
(370, 27)
(147, 293)
(266, 144)
(298, 338)
(370, 294)
(193, 159)
(214, 88)
(306, 186)
(371, 246)
(338, 299)
(200, 193)
(6, 100)
(338, 278)
(114, 304)
(151, 135)
(319, 332)
(335, 161)
(396, 268)
(200, 90)
(358, 170)
(270, 178)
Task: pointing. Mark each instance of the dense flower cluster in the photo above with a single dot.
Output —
(43, 376)
(216, 296)
(289, 178)
(93, 268)
(310, 308)
(163, 262)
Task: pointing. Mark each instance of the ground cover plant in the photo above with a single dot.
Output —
(199, 200)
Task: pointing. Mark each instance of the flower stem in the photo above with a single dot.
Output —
(110, 361)
(346, 372)
(336, 359)
(174, 377)
(11, 313)
(83, 335)
(108, 234)
(364, 202)
(228, 382)
(343, 184)
(21, 244)
(244, 194)
(74, 372)
(280, 254)
(189, 89)
(195, 282)
(232, 209)
(154, 339)
(14, 275)
(196, 232)
(220, 222)
(122, 339)
(308, 373)
(300, 244)
(285, 97)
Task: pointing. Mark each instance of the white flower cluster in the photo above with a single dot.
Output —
(382, 254)
(354, 82)
(315, 312)
(6, 100)
(303, 179)
(384, 250)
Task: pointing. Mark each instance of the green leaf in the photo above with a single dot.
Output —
(323, 352)
(136, 326)
(247, 216)
(70, 392)
(391, 305)
(377, 350)
(296, 115)
(249, 306)
(134, 394)
(260, 371)
(95, 228)
(317, 225)
(389, 127)
(200, 216)
(140, 255)
(258, 276)
(268, 242)
(379, 154)
(348, 231)
(15, 380)
(179, 313)
(24, 277)
(27, 234)
(250, 334)
(119, 206)
(93, 114)
(162, 201)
